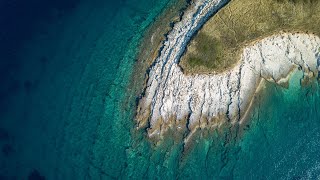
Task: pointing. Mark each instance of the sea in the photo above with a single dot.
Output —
(67, 104)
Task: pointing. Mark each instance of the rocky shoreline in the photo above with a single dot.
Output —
(186, 103)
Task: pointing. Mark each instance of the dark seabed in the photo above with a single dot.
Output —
(67, 113)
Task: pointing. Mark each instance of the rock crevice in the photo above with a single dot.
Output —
(214, 99)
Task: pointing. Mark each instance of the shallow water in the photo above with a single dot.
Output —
(283, 140)
(66, 112)
(64, 83)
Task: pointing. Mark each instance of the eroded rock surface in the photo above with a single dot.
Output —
(213, 99)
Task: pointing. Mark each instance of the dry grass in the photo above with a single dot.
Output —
(218, 44)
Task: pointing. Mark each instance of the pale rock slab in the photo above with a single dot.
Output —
(203, 97)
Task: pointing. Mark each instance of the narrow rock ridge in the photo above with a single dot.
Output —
(202, 100)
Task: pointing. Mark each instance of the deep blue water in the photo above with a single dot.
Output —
(66, 111)
(65, 67)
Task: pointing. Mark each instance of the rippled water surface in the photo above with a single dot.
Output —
(66, 111)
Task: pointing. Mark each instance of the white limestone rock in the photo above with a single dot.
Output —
(202, 97)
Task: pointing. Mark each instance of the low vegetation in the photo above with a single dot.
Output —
(218, 45)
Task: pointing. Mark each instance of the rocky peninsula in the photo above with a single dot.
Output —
(187, 102)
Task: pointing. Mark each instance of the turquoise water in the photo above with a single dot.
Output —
(281, 140)
(284, 138)
(67, 112)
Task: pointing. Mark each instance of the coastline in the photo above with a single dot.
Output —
(220, 41)
(148, 49)
(206, 71)
(155, 35)
(240, 84)
(217, 5)
(172, 99)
